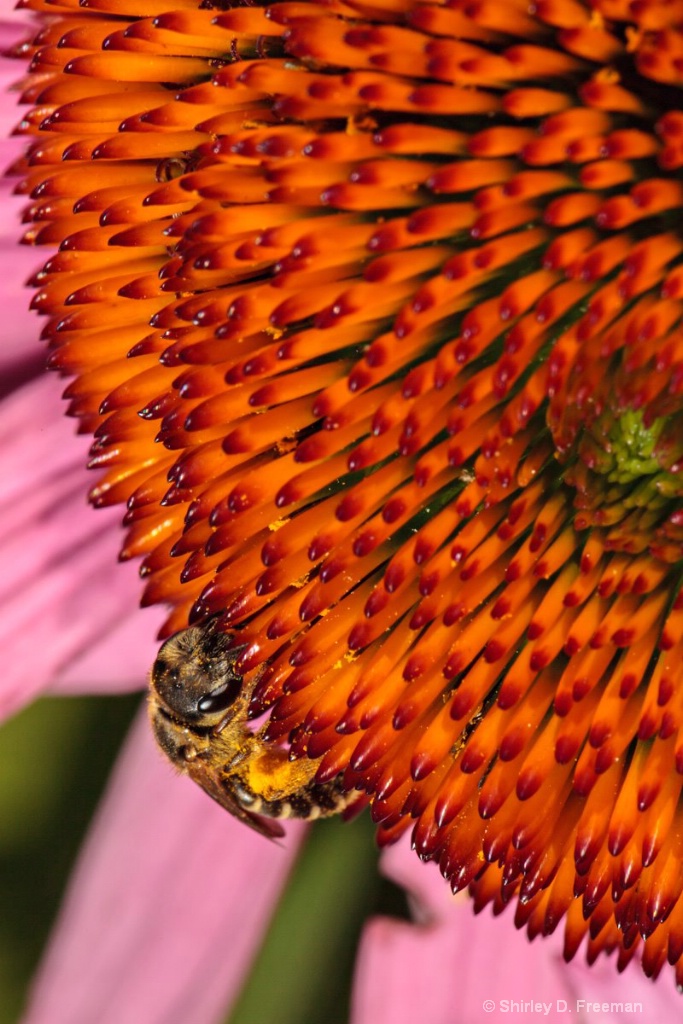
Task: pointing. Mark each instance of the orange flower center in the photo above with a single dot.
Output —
(374, 310)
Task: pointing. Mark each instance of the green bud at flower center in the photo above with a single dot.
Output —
(632, 444)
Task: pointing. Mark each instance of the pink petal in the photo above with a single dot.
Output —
(62, 591)
(19, 328)
(120, 659)
(167, 906)
(463, 968)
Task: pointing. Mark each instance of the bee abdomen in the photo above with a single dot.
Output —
(309, 802)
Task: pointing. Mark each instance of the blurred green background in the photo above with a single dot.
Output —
(55, 758)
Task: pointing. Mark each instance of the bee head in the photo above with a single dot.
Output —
(194, 677)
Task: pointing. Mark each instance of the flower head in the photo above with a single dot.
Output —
(374, 312)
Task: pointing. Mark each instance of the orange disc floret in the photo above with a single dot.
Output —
(374, 312)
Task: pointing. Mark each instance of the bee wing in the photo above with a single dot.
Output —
(221, 792)
(267, 827)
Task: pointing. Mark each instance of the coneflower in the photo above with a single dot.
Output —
(374, 311)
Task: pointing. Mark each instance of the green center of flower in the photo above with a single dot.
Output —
(628, 479)
(630, 447)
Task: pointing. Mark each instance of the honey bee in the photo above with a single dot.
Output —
(198, 707)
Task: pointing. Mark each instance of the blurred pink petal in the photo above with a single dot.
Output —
(167, 906)
(19, 328)
(62, 590)
(119, 660)
(454, 966)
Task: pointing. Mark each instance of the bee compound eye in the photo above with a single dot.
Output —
(171, 688)
(221, 698)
